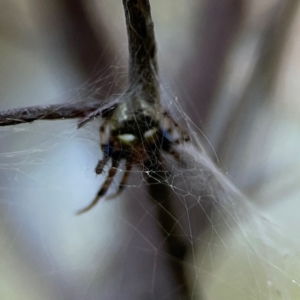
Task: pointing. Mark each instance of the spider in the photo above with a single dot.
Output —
(135, 128)
(133, 131)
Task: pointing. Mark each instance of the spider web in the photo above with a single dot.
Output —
(117, 250)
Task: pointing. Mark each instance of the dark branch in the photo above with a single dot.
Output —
(143, 78)
(142, 49)
(47, 112)
(175, 246)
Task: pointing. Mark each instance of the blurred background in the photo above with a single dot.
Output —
(234, 68)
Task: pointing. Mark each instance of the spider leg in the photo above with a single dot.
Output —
(91, 116)
(105, 146)
(101, 164)
(123, 180)
(104, 111)
(184, 137)
(175, 155)
(167, 145)
(111, 174)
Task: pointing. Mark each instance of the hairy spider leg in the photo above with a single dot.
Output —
(101, 164)
(106, 148)
(91, 116)
(166, 144)
(111, 174)
(167, 129)
(175, 155)
(103, 111)
(123, 180)
(104, 134)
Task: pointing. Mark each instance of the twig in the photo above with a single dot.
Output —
(48, 112)
(143, 72)
(142, 49)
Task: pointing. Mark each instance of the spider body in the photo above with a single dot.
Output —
(136, 133)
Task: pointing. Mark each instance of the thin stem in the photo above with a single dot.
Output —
(175, 246)
(142, 49)
(143, 78)
(47, 112)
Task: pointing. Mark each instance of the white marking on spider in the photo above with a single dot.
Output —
(150, 133)
(126, 138)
